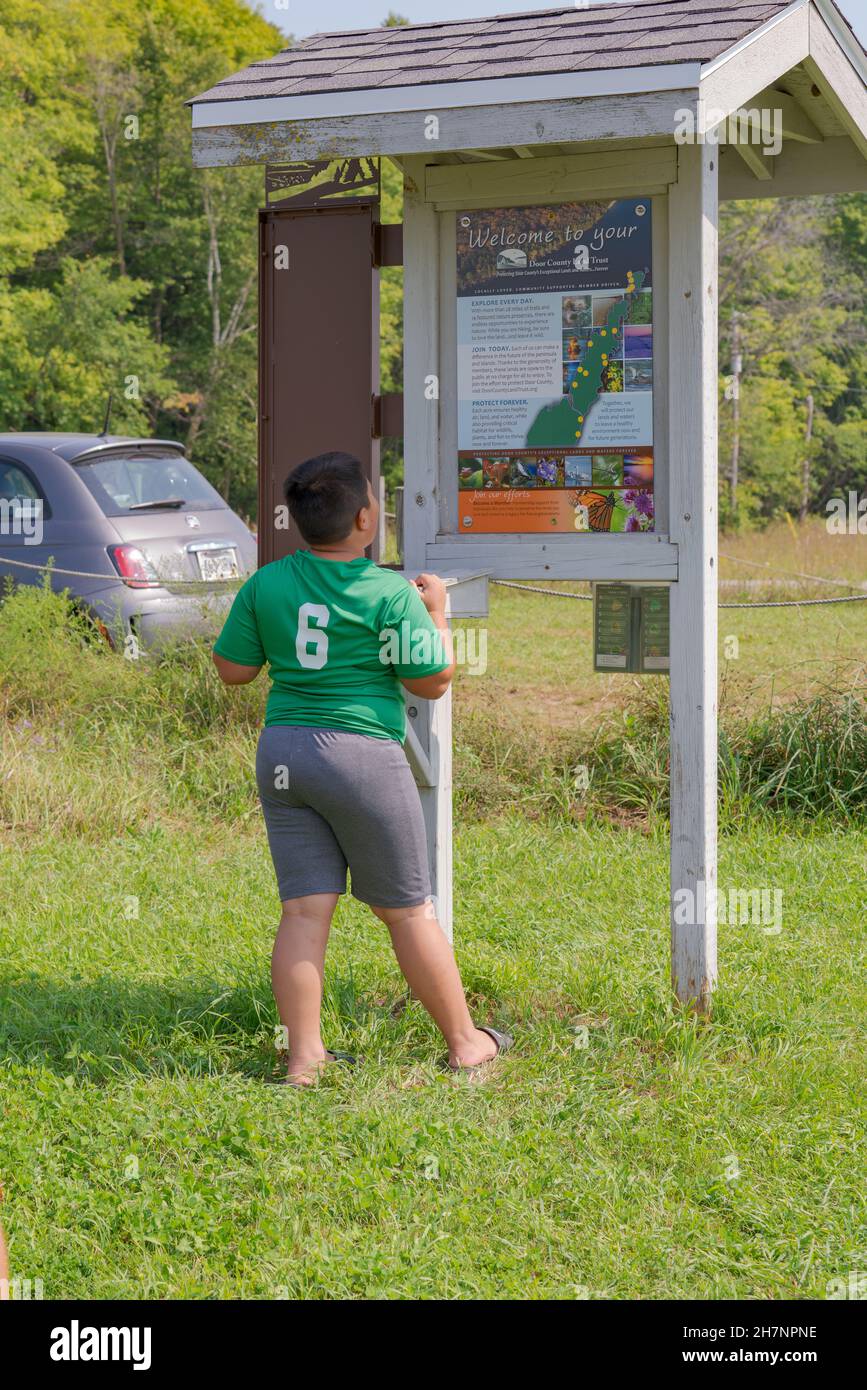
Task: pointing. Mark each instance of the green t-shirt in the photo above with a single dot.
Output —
(336, 636)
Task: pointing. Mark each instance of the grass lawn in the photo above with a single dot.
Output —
(539, 668)
(620, 1151)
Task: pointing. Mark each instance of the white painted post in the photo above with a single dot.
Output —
(692, 391)
(429, 730)
(429, 751)
(420, 367)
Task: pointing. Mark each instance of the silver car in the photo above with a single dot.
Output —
(153, 547)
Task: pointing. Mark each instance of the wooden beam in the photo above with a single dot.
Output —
(795, 124)
(460, 128)
(732, 80)
(761, 166)
(842, 87)
(835, 166)
(560, 178)
(692, 388)
(588, 557)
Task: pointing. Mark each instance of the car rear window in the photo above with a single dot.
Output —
(121, 482)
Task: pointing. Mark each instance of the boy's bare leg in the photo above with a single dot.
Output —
(297, 967)
(430, 969)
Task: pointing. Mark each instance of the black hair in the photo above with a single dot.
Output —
(324, 495)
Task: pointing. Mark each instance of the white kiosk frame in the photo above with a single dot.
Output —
(683, 186)
(613, 132)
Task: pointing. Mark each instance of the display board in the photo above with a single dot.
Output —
(555, 368)
(631, 628)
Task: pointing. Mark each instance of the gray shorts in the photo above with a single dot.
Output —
(333, 800)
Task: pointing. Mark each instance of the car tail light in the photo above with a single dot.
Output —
(133, 566)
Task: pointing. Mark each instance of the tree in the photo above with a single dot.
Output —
(797, 305)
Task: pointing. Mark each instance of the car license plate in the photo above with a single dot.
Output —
(218, 564)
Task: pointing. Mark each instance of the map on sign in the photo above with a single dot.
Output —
(555, 368)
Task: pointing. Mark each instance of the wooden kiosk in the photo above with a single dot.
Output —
(656, 109)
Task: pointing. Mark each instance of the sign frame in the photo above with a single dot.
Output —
(434, 539)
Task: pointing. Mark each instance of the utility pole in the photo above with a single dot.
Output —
(735, 391)
(805, 466)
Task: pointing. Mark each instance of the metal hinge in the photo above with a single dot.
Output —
(387, 244)
(387, 415)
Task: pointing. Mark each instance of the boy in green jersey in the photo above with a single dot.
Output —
(341, 636)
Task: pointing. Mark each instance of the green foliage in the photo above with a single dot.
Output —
(128, 263)
(792, 270)
(74, 345)
(120, 261)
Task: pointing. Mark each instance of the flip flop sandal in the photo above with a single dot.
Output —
(503, 1040)
(330, 1056)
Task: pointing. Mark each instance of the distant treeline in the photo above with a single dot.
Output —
(124, 270)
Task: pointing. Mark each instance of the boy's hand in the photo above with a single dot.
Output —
(433, 592)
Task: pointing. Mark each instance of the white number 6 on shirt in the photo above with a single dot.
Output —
(307, 613)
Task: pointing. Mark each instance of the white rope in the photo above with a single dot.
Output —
(503, 583)
(779, 603)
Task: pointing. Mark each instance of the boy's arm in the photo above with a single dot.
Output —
(240, 637)
(433, 596)
(231, 673)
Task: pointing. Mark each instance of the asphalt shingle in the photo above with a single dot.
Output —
(604, 36)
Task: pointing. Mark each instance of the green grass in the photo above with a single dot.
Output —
(174, 743)
(621, 1150)
(143, 1155)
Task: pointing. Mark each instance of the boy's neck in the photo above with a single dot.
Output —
(345, 553)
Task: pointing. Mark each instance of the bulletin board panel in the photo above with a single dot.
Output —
(636, 555)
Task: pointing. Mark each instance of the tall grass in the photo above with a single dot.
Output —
(806, 759)
(93, 743)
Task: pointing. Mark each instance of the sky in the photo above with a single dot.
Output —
(302, 17)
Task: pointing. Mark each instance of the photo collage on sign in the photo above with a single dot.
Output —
(573, 313)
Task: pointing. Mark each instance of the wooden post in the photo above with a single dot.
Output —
(398, 521)
(737, 363)
(429, 751)
(420, 367)
(429, 729)
(692, 390)
(805, 466)
(383, 528)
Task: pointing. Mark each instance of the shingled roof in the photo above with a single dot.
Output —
(638, 34)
